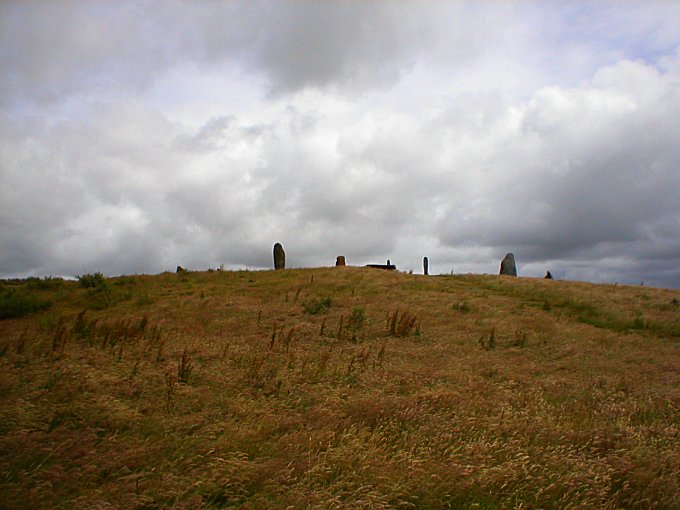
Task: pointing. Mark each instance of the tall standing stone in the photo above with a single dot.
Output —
(340, 261)
(426, 266)
(279, 257)
(508, 265)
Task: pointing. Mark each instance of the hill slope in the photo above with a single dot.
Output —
(339, 388)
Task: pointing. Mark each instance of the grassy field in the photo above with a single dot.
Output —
(338, 388)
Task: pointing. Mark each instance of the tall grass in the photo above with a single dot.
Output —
(233, 396)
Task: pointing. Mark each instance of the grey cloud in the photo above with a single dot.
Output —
(65, 47)
(587, 168)
(129, 185)
(53, 49)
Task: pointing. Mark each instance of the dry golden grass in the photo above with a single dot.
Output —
(243, 389)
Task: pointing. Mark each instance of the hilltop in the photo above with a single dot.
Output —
(338, 388)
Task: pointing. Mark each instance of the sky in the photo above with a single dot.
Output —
(138, 136)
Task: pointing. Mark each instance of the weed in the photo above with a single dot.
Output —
(488, 343)
(81, 327)
(273, 340)
(184, 367)
(21, 343)
(258, 373)
(160, 350)
(317, 306)
(59, 340)
(462, 307)
(135, 369)
(323, 362)
(357, 319)
(403, 325)
(342, 317)
(170, 382)
(288, 339)
(380, 356)
(520, 339)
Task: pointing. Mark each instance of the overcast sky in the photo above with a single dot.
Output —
(136, 136)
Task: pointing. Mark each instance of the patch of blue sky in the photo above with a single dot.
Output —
(610, 31)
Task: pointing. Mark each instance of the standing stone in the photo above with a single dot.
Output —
(279, 257)
(340, 261)
(508, 265)
(426, 266)
(548, 275)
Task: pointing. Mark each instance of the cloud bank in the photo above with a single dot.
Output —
(135, 137)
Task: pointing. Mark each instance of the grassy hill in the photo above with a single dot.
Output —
(338, 388)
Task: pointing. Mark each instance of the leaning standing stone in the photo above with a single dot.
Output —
(426, 266)
(508, 265)
(279, 257)
(340, 261)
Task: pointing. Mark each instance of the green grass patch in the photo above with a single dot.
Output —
(317, 306)
(14, 304)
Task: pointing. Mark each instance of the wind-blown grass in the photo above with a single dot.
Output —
(220, 390)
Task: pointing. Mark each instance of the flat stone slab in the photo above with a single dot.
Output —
(390, 267)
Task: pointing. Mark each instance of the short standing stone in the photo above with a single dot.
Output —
(426, 266)
(508, 265)
(180, 269)
(279, 257)
(548, 275)
(340, 261)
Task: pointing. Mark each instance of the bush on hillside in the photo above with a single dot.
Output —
(47, 283)
(92, 280)
(13, 304)
(100, 291)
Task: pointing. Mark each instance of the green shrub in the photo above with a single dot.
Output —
(101, 297)
(100, 291)
(13, 304)
(357, 319)
(90, 280)
(49, 282)
(317, 306)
